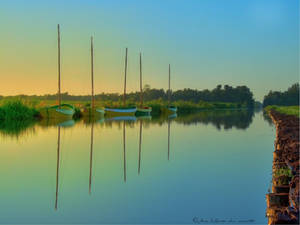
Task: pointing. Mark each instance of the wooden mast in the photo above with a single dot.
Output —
(92, 72)
(169, 92)
(141, 81)
(58, 48)
(124, 97)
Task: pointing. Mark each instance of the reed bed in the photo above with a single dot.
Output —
(24, 109)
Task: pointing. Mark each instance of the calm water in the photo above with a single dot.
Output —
(207, 165)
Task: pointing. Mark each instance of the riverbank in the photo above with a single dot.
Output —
(157, 106)
(287, 110)
(283, 201)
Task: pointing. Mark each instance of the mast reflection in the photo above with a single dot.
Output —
(57, 167)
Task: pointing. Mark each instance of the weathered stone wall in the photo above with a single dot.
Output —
(283, 202)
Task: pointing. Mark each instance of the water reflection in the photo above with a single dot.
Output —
(267, 118)
(138, 163)
(226, 119)
(169, 139)
(140, 146)
(124, 149)
(91, 157)
(57, 166)
(16, 129)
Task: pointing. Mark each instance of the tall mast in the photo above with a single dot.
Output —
(58, 48)
(124, 97)
(141, 81)
(92, 72)
(169, 92)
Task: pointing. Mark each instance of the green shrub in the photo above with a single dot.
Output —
(16, 110)
(77, 114)
(283, 172)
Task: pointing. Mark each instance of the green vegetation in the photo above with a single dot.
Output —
(282, 172)
(16, 117)
(287, 110)
(157, 105)
(77, 115)
(17, 110)
(23, 107)
(286, 98)
(240, 95)
(15, 128)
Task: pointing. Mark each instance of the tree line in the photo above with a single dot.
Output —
(240, 94)
(285, 98)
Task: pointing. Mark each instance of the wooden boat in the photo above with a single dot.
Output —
(121, 111)
(92, 111)
(142, 110)
(118, 112)
(170, 109)
(60, 111)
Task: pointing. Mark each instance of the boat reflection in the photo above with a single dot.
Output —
(121, 118)
(53, 122)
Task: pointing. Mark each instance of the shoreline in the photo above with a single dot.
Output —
(283, 201)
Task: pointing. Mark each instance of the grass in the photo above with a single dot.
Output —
(34, 105)
(16, 117)
(17, 111)
(287, 110)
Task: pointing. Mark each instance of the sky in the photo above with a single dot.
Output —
(207, 42)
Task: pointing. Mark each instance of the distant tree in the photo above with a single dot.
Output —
(240, 94)
(286, 98)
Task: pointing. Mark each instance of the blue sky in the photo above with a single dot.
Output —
(207, 42)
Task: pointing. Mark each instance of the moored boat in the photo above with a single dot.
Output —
(92, 110)
(143, 111)
(60, 111)
(170, 109)
(117, 112)
(124, 110)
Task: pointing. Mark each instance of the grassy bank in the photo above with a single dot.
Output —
(287, 110)
(21, 109)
